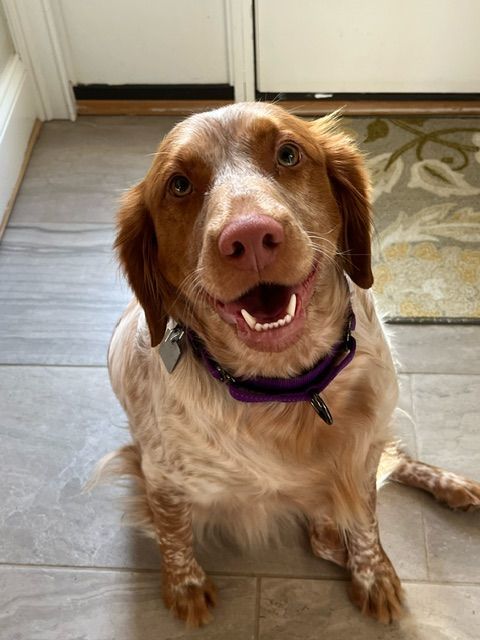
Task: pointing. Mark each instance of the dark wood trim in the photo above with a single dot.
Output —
(432, 320)
(348, 97)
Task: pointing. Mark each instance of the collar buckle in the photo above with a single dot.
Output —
(224, 375)
(349, 339)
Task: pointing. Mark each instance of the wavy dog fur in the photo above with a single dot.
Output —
(203, 460)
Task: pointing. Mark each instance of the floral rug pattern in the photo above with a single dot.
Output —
(426, 192)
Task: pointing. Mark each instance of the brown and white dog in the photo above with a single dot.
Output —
(252, 231)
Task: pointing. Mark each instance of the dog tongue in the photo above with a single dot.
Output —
(266, 302)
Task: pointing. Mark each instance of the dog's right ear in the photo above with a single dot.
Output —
(137, 247)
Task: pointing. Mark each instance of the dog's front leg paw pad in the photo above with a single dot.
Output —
(377, 596)
(192, 602)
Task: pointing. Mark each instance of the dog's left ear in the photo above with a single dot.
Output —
(351, 188)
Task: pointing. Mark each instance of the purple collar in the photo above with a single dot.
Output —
(303, 388)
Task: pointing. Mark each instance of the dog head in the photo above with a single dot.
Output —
(242, 226)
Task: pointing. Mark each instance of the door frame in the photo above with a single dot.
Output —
(241, 48)
(39, 36)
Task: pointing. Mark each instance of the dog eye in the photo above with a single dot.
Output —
(288, 155)
(180, 186)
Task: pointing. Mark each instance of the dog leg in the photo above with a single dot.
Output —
(375, 587)
(187, 591)
(327, 541)
(454, 491)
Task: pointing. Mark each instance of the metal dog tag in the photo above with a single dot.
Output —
(170, 348)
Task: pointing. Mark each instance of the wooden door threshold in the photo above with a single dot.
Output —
(301, 108)
(146, 107)
(384, 107)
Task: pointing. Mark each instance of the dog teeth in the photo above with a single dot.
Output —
(266, 326)
(292, 305)
(250, 320)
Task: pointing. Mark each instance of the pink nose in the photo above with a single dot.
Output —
(251, 241)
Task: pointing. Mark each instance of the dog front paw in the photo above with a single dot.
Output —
(377, 592)
(459, 493)
(191, 602)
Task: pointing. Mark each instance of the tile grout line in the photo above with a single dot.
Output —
(82, 568)
(425, 542)
(410, 415)
(258, 596)
(422, 512)
(103, 366)
(40, 226)
(52, 366)
(438, 373)
(226, 574)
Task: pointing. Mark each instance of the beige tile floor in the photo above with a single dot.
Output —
(68, 569)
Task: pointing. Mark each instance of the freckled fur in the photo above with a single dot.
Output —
(203, 461)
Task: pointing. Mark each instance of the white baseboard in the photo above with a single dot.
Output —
(17, 119)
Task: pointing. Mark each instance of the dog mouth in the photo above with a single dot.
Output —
(269, 316)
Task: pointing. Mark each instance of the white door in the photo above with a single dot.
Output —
(372, 46)
(158, 42)
(125, 42)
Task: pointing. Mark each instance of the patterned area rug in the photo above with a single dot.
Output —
(426, 176)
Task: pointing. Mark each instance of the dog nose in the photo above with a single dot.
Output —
(251, 241)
